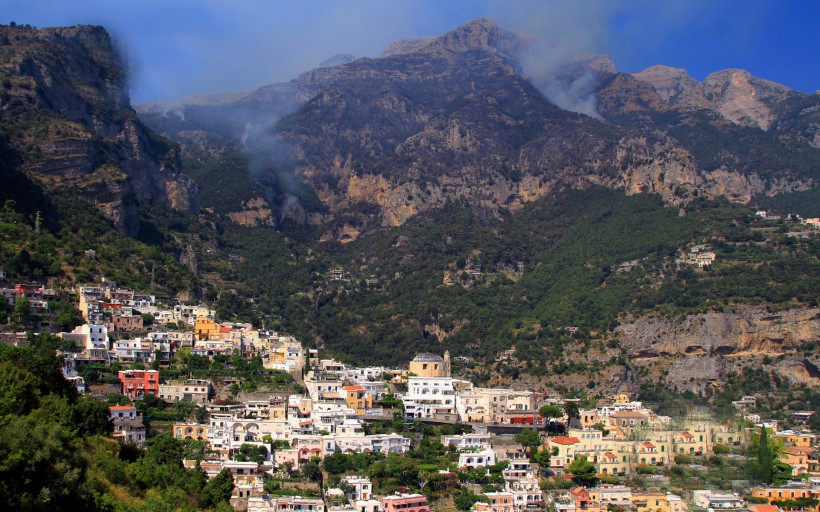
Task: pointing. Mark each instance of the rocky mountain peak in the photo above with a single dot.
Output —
(670, 83)
(742, 98)
(599, 63)
(478, 34)
(337, 60)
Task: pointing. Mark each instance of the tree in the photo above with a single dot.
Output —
(602, 428)
(218, 489)
(528, 439)
(165, 450)
(91, 417)
(336, 463)
(21, 309)
(312, 471)
(765, 457)
(542, 457)
(583, 472)
(18, 390)
(572, 412)
(781, 473)
(549, 412)
(467, 499)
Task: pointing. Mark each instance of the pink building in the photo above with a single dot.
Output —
(405, 503)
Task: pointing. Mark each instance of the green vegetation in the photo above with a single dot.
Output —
(59, 246)
(55, 452)
(583, 472)
(528, 439)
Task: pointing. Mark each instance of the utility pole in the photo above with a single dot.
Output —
(37, 222)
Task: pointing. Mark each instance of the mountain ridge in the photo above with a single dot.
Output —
(379, 131)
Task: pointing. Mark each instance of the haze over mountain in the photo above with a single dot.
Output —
(470, 114)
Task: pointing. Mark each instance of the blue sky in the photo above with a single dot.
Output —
(182, 47)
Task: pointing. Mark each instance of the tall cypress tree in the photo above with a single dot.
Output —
(765, 458)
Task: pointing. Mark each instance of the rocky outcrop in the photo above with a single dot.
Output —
(255, 212)
(625, 94)
(697, 352)
(65, 98)
(744, 330)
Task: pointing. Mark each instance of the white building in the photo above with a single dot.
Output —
(476, 459)
(361, 488)
(467, 441)
(432, 397)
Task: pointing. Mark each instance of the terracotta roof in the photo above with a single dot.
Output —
(565, 440)
(649, 445)
(354, 388)
(121, 407)
(796, 450)
(610, 455)
(687, 435)
(224, 329)
(763, 508)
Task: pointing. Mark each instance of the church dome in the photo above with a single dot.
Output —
(427, 357)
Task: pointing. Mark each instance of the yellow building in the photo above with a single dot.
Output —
(563, 450)
(190, 431)
(687, 443)
(796, 439)
(658, 502)
(797, 458)
(358, 399)
(206, 329)
(590, 417)
(727, 435)
(278, 409)
(430, 365)
(629, 421)
(622, 398)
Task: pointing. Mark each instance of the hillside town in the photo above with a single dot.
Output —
(513, 449)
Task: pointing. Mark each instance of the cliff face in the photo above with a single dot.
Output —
(65, 109)
(698, 351)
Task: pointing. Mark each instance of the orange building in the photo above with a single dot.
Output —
(358, 399)
(206, 329)
(789, 493)
(499, 502)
